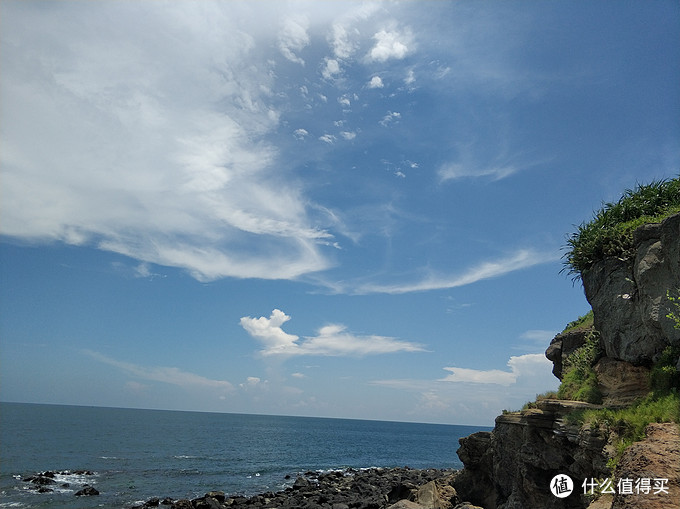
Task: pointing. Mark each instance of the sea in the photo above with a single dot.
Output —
(132, 455)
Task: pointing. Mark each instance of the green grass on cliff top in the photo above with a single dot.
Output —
(610, 232)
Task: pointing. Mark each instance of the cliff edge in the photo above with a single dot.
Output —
(628, 351)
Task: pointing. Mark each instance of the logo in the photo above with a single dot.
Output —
(561, 485)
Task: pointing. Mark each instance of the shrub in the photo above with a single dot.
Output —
(664, 377)
(610, 232)
(674, 315)
(579, 380)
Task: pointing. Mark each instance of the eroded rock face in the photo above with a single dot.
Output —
(629, 297)
(512, 466)
(475, 480)
(620, 382)
(564, 344)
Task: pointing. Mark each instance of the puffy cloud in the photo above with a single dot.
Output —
(253, 383)
(522, 365)
(269, 332)
(345, 101)
(300, 134)
(343, 47)
(331, 340)
(331, 68)
(389, 44)
(390, 117)
(376, 82)
(348, 135)
(293, 37)
(327, 138)
(486, 392)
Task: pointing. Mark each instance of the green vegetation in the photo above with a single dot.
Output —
(582, 322)
(664, 377)
(610, 232)
(674, 315)
(629, 423)
(579, 380)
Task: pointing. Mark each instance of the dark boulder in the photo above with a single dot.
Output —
(87, 491)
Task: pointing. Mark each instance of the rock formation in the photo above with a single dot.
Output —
(512, 466)
(629, 297)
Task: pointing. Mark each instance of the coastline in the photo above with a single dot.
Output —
(372, 488)
(366, 488)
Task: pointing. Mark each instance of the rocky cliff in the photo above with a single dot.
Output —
(629, 297)
(512, 466)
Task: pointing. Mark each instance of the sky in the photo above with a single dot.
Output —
(337, 209)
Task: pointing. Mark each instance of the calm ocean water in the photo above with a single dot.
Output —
(139, 454)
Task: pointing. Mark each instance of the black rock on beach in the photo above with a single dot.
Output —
(376, 488)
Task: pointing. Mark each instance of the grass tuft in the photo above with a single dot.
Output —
(610, 232)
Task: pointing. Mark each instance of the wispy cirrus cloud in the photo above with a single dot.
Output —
(522, 259)
(154, 148)
(454, 171)
(331, 340)
(168, 375)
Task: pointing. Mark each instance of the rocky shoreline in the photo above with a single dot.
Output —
(374, 488)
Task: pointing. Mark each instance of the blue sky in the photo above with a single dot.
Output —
(338, 209)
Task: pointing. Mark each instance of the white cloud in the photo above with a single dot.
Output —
(376, 82)
(343, 46)
(390, 117)
(479, 394)
(254, 382)
(152, 148)
(331, 68)
(493, 376)
(345, 101)
(390, 44)
(348, 135)
(522, 365)
(331, 340)
(457, 171)
(327, 138)
(300, 134)
(293, 37)
(168, 375)
(522, 259)
(269, 332)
